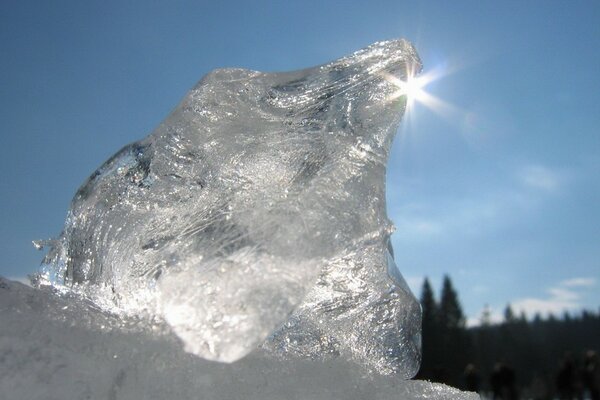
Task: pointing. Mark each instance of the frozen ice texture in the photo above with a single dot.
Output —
(256, 211)
(355, 309)
(54, 348)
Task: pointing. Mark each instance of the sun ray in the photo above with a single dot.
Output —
(414, 88)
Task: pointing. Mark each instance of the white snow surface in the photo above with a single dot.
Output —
(55, 346)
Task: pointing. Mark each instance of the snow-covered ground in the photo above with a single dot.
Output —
(60, 347)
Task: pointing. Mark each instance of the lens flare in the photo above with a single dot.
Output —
(473, 126)
(412, 87)
(414, 90)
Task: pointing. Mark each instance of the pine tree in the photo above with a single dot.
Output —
(523, 317)
(486, 316)
(451, 315)
(430, 335)
(428, 305)
(454, 341)
(509, 315)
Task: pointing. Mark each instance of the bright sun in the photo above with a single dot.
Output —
(412, 87)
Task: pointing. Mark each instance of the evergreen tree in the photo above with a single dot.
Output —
(523, 317)
(451, 314)
(509, 315)
(430, 332)
(428, 305)
(532, 347)
(454, 341)
(486, 316)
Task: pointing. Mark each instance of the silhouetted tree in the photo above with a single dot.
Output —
(428, 305)
(454, 340)
(509, 315)
(531, 348)
(451, 314)
(523, 317)
(486, 316)
(430, 332)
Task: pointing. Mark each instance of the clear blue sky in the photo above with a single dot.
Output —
(500, 188)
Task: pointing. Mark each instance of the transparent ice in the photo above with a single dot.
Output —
(255, 215)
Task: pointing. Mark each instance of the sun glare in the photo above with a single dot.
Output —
(414, 90)
(412, 87)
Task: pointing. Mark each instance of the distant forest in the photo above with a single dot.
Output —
(541, 358)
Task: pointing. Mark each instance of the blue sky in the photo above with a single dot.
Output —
(497, 186)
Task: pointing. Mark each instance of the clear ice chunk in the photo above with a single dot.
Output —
(256, 211)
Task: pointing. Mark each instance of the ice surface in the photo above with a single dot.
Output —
(256, 211)
(54, 348)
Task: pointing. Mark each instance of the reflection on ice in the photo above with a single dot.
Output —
(255, 214)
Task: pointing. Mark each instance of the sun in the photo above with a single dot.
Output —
(412, 87)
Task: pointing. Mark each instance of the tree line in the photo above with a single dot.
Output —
(535, 351)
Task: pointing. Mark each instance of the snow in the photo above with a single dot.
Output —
(56, 347)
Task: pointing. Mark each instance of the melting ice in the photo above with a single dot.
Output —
(255, 215)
